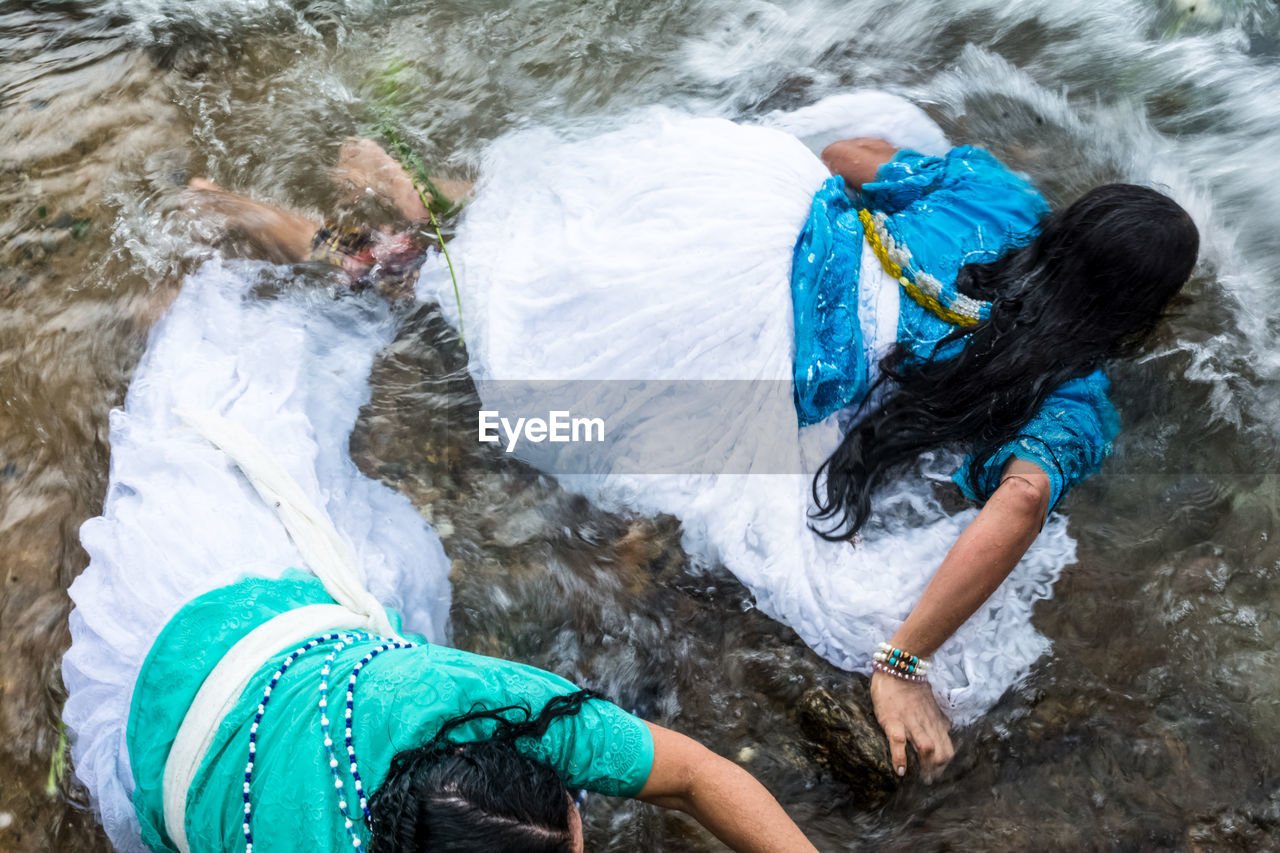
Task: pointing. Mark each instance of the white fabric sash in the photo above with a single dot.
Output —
(323, 549)
(328, 556)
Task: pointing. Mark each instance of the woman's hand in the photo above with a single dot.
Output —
(907, 711)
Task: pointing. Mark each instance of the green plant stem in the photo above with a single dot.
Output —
(58, 763)
(457, 297)
(431, 197)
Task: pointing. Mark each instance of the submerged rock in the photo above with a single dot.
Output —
(843, 734)
(1232, 830)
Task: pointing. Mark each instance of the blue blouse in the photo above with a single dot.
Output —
(964, 207)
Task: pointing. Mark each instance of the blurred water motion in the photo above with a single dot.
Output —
(1153, 725)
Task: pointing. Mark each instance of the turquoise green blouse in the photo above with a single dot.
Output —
(402, 697)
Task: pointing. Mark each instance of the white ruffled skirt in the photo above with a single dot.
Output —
(180, 519)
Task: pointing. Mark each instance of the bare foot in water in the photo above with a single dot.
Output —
(277, 234)
(364, 168)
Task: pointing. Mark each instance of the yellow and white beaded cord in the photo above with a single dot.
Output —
(926, 290)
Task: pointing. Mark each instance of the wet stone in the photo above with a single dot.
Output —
(519, 527)
(844, 736)
(50, 240)
(1200, 576)
(1230, 830)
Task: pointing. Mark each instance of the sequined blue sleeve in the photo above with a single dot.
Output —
(829, 373)
(963, 207)
(1068, 438)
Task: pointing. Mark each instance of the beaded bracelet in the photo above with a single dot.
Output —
(896, 662)
(888, 670)
(901, 660)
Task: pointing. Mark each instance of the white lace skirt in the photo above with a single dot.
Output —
(662, 251)
(180, 520)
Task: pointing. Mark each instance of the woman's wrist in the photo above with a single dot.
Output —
(898, 662)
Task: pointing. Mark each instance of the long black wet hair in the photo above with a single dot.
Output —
(1090, 287)
(485, 795)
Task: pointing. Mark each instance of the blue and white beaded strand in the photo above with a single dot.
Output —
(257, 719)
(348, 711)
(328, 741)
(347, 735)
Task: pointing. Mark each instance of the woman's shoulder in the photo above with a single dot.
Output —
(601, 747)
(941, 212)
(966, 195)
(1068, 438)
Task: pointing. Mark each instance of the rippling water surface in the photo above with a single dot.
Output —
(1154, 723)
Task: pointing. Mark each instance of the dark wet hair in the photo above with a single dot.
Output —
(1090, 287)
(483, 795)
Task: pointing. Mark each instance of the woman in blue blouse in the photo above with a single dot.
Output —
(1013, 311)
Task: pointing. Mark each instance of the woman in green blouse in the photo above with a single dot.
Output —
(219, 700)
(444, 750)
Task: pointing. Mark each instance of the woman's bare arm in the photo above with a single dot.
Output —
(720, 795)
(983, 556)
(279, 235)
(857, 160)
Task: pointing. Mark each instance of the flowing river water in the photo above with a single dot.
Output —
(1154, 722)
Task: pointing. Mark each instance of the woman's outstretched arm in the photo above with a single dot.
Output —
(277, 234)
(976, 565)
(720, 795)
(983, 556)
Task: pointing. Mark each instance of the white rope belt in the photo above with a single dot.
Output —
(328, 556)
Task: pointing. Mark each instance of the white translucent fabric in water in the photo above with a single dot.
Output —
(662, 251)
(180, 519)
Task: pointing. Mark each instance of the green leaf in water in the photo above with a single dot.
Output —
(80, 227)
(57, 764)
(388, 104)
(386, 85)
